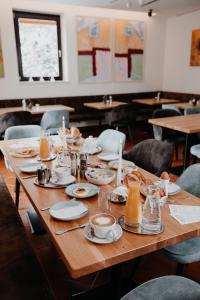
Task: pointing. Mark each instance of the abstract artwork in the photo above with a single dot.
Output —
(195, 48)
(94, 49)
(1, 61)
(128, 50)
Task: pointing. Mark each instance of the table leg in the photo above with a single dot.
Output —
(187, 151)
(17, 192)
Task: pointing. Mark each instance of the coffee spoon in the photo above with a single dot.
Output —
(62, 231)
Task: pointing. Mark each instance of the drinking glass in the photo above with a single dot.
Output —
(104, 201)
(45, 146)
(151, 215)
(133, 208)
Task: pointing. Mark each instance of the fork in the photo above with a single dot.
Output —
(62, 231)
(27, 177)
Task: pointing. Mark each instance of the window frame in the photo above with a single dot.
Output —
(39, 16)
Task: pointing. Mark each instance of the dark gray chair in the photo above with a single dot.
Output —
(164, 134)
(188, 251)
(152, 155)
(121, 117)
(166, 288)
(194, 150)
(13, 119)
(192, 110)
(52, 120)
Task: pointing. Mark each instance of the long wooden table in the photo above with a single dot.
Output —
(189, 124)
(153, 102)
(82, 257)
(37, 110)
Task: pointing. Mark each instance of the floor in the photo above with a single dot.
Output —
(151, 266)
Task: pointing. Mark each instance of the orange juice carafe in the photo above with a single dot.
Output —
(44, 147)
(133, 208)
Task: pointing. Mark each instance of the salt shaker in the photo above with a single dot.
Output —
(74, 165)
(24, 104)
(83, 164)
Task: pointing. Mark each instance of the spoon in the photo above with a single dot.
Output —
(27, 177)
(62, 231)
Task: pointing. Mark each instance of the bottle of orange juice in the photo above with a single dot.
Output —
(44, 147)
(133, 209)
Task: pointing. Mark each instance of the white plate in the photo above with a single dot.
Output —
(90, 190)
(18, 155)
(68, 179)
(51, 157)
(173, 188)
(29, 167)
(125, 164)
(60, 210)
(96, 240)
(108, 156)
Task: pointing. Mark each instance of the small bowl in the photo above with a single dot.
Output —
(99, 176)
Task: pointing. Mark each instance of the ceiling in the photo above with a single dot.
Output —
(164, 7)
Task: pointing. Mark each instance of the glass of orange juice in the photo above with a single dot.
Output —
(133, 208)
(44, 146)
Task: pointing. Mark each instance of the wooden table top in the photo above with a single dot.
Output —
(104, 106)
(37, 111)
(154, 102)
(184, 105)
(187, 124)
(82, 257)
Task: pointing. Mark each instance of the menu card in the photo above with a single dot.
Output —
(185, 214)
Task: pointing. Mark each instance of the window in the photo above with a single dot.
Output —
(38, 40)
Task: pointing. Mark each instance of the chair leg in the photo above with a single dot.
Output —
(136, 265)
(176, 151)
(17, 192)
(194, 159)
(179, 269)
(130, 133)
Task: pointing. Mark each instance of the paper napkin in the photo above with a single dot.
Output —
(185, 214)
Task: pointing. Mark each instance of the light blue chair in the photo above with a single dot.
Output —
(188, 251)
(166, 288)
(171, 106)
(20, 132)
(109, 140)
(192, 110)
(194, 150)
(52, 120)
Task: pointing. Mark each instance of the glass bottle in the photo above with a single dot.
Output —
(151, 215)
(133, 208)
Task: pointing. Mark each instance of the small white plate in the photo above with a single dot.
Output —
(87, 234)
(21, 155)
(90, 190)
(108, 156)
(66, 180)
(30, 167)
(173, 188)
(125, 164)
(59, 210)
(51, 157)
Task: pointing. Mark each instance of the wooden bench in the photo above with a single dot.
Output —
(21, 275)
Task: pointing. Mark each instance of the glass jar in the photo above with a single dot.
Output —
(151, 215)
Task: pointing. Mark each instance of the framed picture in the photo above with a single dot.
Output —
(1, 61)
(195, 48)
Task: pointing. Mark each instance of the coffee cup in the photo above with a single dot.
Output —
(59, 174)
(104, 226)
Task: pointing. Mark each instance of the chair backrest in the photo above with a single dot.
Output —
(171, 106)
(24, 131)
(120, 113)
(152, 155)
(189, 180)
(52, 120)
(159, 132)
(192, 110)
(109, 140)
(13, 119)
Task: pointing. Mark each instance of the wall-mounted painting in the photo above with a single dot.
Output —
(128, 50)
(94, 49)
(1, 61)
(195, 48)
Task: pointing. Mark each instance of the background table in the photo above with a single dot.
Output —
(188, 124)
(154, 102)
(104, 106)
(37, 111)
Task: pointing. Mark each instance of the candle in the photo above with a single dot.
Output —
(63, 123)
(119, 172)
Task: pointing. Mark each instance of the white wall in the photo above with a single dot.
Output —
(179, 76)
(11, 88)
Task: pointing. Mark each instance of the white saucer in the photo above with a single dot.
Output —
(173, 188)
(51, 157)
(96, 240)
(108, 156)
(66, 210)
(66, 180)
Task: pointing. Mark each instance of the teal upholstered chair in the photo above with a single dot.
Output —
(52, 120)
(19, 132)
(188, 251)
(109, 140)
(166, 288)
(192, 110)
